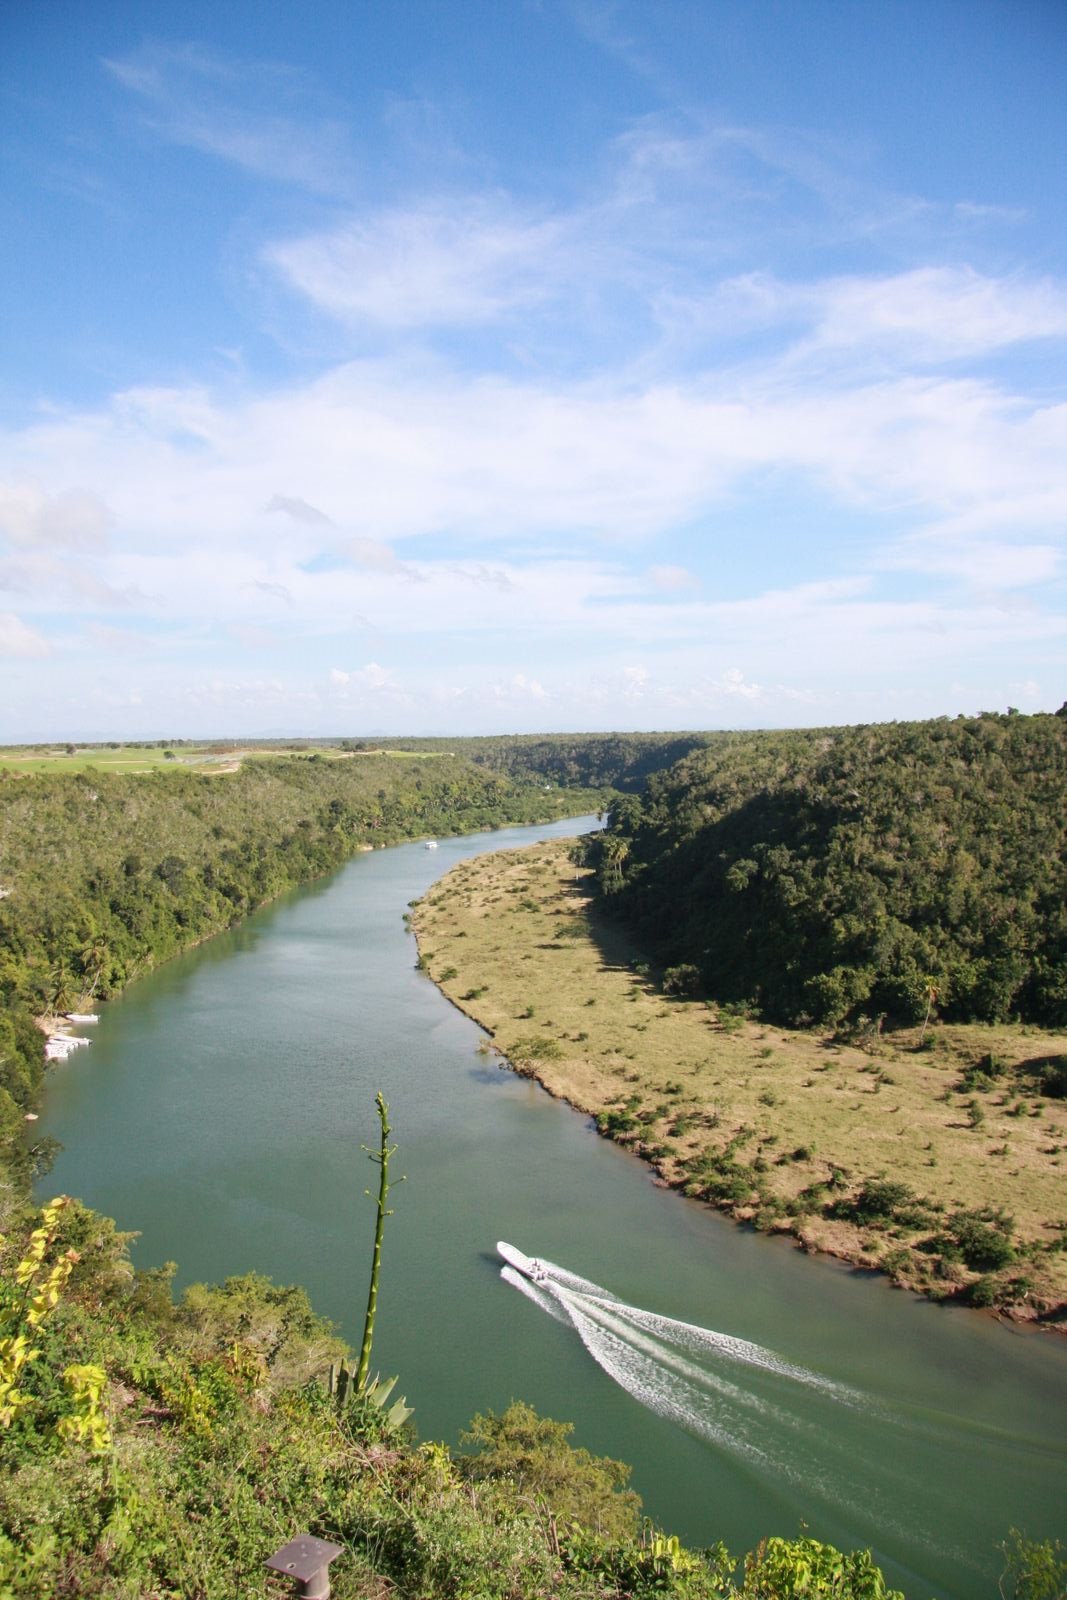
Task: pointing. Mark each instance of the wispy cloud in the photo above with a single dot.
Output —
(18, 639)
(299, 510)
(260, 115)
(72, 519)
(456, 262)
(939, 312)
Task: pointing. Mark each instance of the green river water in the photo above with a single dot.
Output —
(221, 1110)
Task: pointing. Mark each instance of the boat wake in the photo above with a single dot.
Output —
(783, 1422)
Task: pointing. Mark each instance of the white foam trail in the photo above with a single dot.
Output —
(641, 1375)
(675, 1369)
(547, 1302)
(701, 1341)
(621, 1327)
(705, 1341)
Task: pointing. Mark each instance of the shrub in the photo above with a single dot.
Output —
(979, 1239)
(877, 1201)
(683, 980)
(532, 1454)
(534, 1047)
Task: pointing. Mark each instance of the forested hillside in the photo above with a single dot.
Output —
(617, 760)
(104, 875)
(884, 871)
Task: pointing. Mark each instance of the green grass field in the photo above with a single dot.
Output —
(201, 758)
(126, 758)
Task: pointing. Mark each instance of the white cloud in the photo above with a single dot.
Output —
(372, 555)
(60, 582)
(73, 519)
(273, 591)
(371, 677)
(985, 564)
(924, 315)
(299, 510)
(517, 688)
(982, 212)
(733, 682)
(16, 639)
(233, 110)
(459, 262)
(431, 453)
(117, 641)
(254, 638)
(600, 471)
(672, 579)
(938, 312)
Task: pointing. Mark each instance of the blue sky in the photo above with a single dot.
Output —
(458, 366)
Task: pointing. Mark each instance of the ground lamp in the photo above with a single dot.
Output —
(307, 1562)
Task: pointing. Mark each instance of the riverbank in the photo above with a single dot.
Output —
(107, 875)
(934, 1160)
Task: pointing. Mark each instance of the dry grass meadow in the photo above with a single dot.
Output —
(777, 1127)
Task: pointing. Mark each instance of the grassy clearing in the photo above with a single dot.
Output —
(85, 758)
(938, 1163)
(203, 758)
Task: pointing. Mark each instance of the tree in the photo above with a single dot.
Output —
(532, 1452)
(1033, 1569)
(788, 1569)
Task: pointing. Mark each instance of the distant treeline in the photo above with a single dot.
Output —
(104, 875)
(621, 761)
(828, 874)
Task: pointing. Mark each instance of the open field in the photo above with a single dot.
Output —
(939, 1162)
(216, 757)
(84, 758)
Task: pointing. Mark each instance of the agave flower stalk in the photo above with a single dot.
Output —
(381, 1157)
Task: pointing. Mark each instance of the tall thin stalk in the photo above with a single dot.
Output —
(931, 996)
(381, 1156)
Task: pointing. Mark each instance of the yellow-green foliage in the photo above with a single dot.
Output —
(33, 1293)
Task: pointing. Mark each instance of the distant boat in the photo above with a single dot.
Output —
(58, 1046)
(431, 844)
(81, 1016)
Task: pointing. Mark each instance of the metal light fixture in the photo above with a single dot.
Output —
(307, 1561)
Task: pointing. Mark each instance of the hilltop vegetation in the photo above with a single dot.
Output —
(103, 875)
(575, 760)
(621, 761)
(878, 873)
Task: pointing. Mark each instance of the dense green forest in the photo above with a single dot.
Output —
(103, 875)
(621, 761)
(827, 875)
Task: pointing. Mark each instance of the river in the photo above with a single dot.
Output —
(221, 1111)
